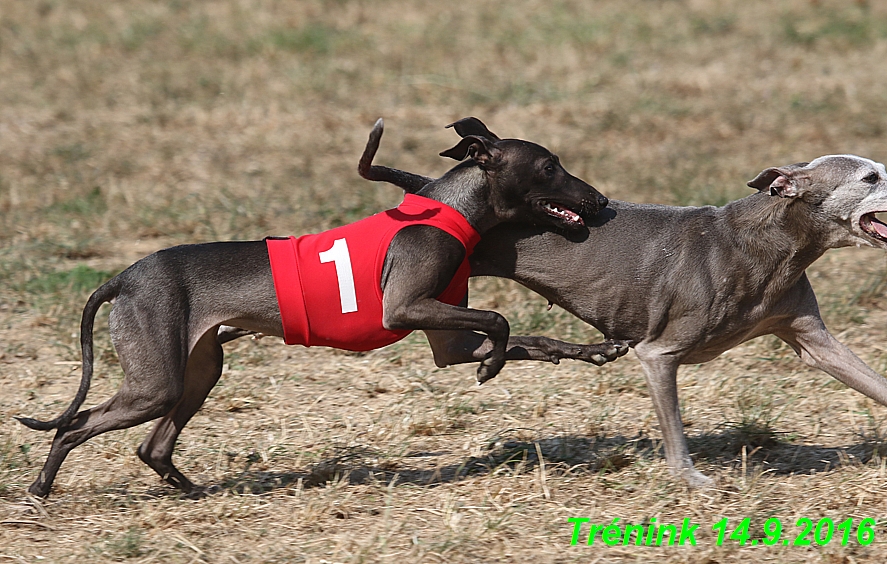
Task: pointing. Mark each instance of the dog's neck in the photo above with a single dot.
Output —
(777, 234)
(466, 189)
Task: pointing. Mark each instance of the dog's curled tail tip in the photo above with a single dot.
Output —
(376, 132)
(38, 425)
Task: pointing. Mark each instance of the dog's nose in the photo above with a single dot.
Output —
(602, 201)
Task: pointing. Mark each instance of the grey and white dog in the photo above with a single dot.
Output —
(699, 280)
(169, 306)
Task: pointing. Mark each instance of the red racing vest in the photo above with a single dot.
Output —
(328, 284)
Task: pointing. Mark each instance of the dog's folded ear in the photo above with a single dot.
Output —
(481, 149)
(780, 181)
(473, 126)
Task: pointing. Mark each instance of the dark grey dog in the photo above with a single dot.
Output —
(699, 281)
(168, 307)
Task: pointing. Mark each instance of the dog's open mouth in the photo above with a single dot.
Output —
(873, 226)
(562, 213)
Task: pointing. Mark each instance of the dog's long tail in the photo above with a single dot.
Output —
(105, 293)
(409, 182)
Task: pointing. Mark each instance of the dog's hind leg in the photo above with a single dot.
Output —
(202, 372)
(116, 413)
(153, 364)
(132, 405)
(661, 370)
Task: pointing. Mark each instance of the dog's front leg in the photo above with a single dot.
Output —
(420, 264)
(458, 347)
(820, 349)
(661, 370)
(430, 314)
(806, 333)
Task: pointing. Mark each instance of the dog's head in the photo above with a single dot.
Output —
(528, 182)
(845, 189)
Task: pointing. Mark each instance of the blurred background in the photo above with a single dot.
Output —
(127, 127)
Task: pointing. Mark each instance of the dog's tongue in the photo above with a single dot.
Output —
(880, 228)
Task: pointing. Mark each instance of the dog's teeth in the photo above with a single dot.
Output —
(564, 214)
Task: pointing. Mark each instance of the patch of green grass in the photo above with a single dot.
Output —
(314, 39)
(534, 317)
(72, 152)
(79, 279)
(842, 312)
(825, 102)
(851, 27)
(758, 413)
(461, 408)
(91, 203)
(197, 37)
(702, 192)
(68, 38)
(136, 34)
(663, 105)
(871, 292)
(13, 457)
(127, 545)
(750, 434)
(713, 25)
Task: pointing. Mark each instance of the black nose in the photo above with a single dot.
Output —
(602, 201)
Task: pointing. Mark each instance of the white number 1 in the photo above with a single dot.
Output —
(338, 255)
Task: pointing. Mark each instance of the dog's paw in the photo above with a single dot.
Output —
(488, 369)
(696, 480)
(602, 353)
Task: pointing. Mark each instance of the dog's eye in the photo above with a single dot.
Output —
(871, 178)
(549, 168)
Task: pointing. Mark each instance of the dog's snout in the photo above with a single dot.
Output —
(594, 204)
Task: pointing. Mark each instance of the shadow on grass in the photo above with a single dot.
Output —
(576, 455)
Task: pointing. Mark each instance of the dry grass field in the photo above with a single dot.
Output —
(126, 127)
